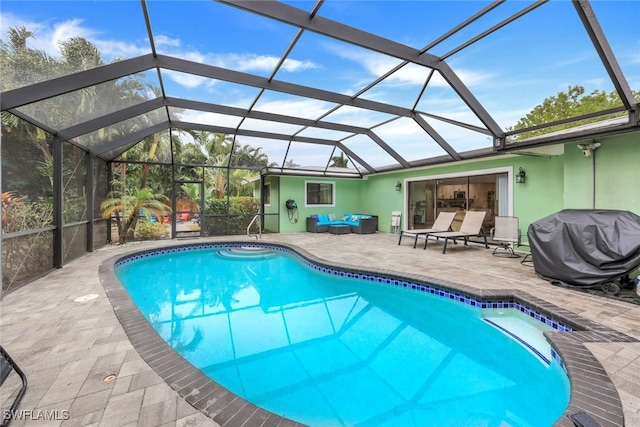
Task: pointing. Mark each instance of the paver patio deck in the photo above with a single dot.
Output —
(68, 347)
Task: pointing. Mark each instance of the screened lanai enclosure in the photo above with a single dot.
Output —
(131, 120)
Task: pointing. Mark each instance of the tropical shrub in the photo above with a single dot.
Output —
(24, 257)
(150, 230)
(241, 211)
(19, 214)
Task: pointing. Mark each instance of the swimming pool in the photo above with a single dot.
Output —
(351, 350)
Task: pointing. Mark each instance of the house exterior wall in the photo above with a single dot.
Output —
(553, 183)
(348, 199)
(617, 175)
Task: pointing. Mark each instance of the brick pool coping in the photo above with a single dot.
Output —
(592, 390)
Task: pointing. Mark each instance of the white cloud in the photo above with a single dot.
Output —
(207, 118)
(293, 65)
(400, 129)
(47, 37)
(269, 126)
(357, 116)
(309, 108)
(193, 56)
(162, 40)
(473, 78)
(189, 80)
(119, 49)
(66, 30)
(411, 74)
(248, 62)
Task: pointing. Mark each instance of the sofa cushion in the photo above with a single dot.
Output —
(333, 219)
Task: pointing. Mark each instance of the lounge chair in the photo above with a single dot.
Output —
(506, 233)
(7, 365)
(471, 227)
(442, 223)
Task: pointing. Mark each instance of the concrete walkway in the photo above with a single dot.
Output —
(82, 369)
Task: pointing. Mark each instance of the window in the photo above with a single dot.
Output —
(319, 193)
(267, 194)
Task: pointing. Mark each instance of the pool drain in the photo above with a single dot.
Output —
(85, 298)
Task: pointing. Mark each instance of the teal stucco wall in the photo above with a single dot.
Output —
(563, 179)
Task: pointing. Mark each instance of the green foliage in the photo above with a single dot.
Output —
(339, 161)
(151, 230)
(127, 208)
(26, 256)
(217, 152)
(241, 211)
(20, 215)
(563, 105)
(21, 66)
(27, 157)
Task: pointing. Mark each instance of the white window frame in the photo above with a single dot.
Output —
(317, 205)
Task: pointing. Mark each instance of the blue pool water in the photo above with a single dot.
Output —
(336, 351)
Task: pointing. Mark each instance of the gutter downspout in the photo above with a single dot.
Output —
(593, 179)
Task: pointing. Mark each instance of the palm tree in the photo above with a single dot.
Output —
(217, 176)
(339, 161)
(191, 191)
(240, 180)
(129, 206)
(246, 155)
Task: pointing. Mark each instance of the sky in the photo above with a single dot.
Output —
(509, 71)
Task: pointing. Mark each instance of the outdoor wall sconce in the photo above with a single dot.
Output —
(398, 186)
(521, 177)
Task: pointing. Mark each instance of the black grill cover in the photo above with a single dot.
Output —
(581, 247)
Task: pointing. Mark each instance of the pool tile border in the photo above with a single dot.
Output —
(591, 388)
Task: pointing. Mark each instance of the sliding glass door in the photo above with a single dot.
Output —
(428, 197)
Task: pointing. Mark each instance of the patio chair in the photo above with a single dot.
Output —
(395, 221)
(442, 223)
(471, 227)
(7, 365)
(528, 259)
(506, 233)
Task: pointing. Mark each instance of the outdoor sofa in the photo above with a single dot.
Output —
(359, 223)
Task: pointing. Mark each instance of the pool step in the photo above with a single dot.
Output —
(245, 252)
(525, 332)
